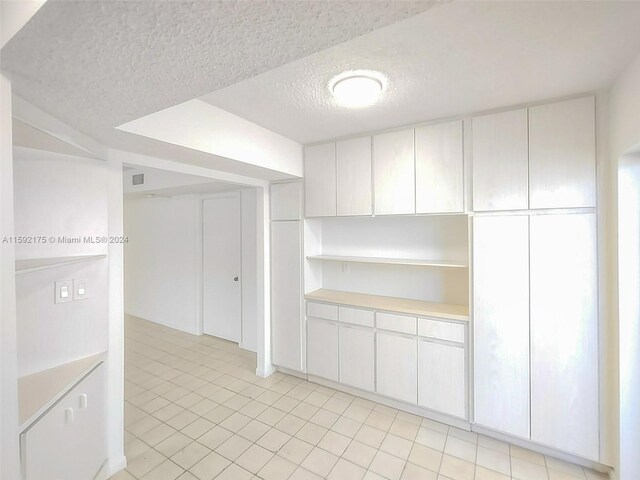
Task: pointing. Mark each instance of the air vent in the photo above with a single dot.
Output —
(137, 179)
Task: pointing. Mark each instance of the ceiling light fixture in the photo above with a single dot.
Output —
(358, 88)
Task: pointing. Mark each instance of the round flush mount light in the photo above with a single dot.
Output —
(358, 88)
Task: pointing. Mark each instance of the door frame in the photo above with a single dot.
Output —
(200, 256)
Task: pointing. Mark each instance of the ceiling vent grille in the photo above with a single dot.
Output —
(137, 179)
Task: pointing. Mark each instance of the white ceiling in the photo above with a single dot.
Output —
(454, 59)
(99, 64)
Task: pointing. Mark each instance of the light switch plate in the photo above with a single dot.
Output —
(80, 289)
(64, 291)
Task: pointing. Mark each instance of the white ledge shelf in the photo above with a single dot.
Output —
(35, 264)
(39, 391)
(391, 304)
(389, 261)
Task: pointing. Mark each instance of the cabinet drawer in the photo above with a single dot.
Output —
(322, 310)
(356, 316)
(396, 323)
(454, 332)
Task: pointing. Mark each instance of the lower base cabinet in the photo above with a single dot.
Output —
(357, 357)
(322, 349)
(69, 441)
(397, 362)
(441, 378)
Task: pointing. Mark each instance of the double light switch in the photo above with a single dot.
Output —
(70, 290)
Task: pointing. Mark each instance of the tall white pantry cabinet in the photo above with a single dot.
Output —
(454, 251)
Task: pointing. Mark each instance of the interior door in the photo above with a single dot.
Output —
(221, 261)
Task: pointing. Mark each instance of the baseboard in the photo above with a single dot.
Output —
(111, 467)
(266, 371)
(293, 373)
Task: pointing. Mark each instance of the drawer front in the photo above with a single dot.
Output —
(356, 316)
(396, 323)
(322, 310)
(453, 332)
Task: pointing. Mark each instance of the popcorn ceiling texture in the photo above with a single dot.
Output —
(98, 64)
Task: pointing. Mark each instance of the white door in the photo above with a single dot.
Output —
(322, 349)
(394, 173)
(501, 317)
(221, 261)
(353, 167)
(320, 180)
(397, 367)
(564, 333)
(441, 378)
(357, 357)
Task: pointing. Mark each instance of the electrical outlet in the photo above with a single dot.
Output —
(80, 289)
(64, 291)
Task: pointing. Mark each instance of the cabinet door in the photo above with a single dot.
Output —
(441, 378)
(501, 318)
(322, 349)
(439, 168)
(286, 201)
(562, 155)
(500, 161)
(353, 164)
(394, 173)
(286, 294)
(320, 180)
(357, 358)
(397, 367)
(564, 333)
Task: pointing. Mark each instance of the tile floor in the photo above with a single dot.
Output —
(195, 409)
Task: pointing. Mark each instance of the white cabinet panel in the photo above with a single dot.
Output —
(357, 357)
(320, 180)
(562, 160)
(394, 172)
(397, 367)
(564, 333)
(286, 201)
(500, 161)
(501, 317)
(441, 378)
(322, 349)
(439, 168)
(69, 441)
(286, 294)
(353, 164)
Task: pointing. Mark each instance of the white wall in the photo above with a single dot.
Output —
(163, 262)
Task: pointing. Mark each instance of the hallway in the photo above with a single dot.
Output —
(196, 410)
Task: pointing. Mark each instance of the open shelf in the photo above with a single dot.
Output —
(389, 261)
(34, 264)
(38, 391)
(392, 304)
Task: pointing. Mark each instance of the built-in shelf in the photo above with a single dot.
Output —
(391, 304)
(34, 264)
(389, 261)
(39, 391)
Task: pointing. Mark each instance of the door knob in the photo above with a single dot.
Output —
(235, 279)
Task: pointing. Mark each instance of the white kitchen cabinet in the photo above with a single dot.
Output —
(322, 349)
(320, 180)
(394, 172)
(69, 441)
(441, 378)
(439, 168)
(397, 367)
(501, 318)
(500, 161)
(562, 154)
(564, 333)
(357, 357)
(353, 166)
(286, 294)
(286, 201)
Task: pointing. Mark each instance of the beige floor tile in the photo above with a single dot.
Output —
(493, 444)
(303, 474)
(277, 468)
(253, 409)
(527, 455)
(286, 404)
(190, 455)
(182, 420)
(143, 425)
(269, 397)
(461, 449)
(334, 442)
(431, 438)
(304, 410)
(273, 440)
(198, 428)
(317, 398)
(357, 412)
(165, 471)
(122, 475)
(233, 447)
(144, 463)
(415, 472)
(134, 448)
(345, 470)
(254, 458)
(397, 446)
(433, 425)
(295, 450)
(290, 424)
(157, 434)
(234, 472)
(311, 433)
(337, 405)
(320, 462)
(203, 406)
(187, 476)
(210, 466)
(483, 473)
(370, 436)
(324, 418)
(346, 426)
(253, 430)
(271, 416)
(218, 414)
(523, 470)
(564, 467)
(456, 468)
(372, 476)
(379, 420)
(426, 457)
(387, 465)
(235, 422)
(215, 437)
(173, 444)
(493, 460)
(404, 428)
(471, 437)
(168, 411)
(360, 454)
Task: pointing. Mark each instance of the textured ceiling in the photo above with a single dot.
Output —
(98, 64)
(457, 58)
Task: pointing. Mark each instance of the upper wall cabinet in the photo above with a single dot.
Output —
(353, 164)
(500, 163)
(562, 162)
(286, 201)
(394, 172)
(320, 180)
(439, 168)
